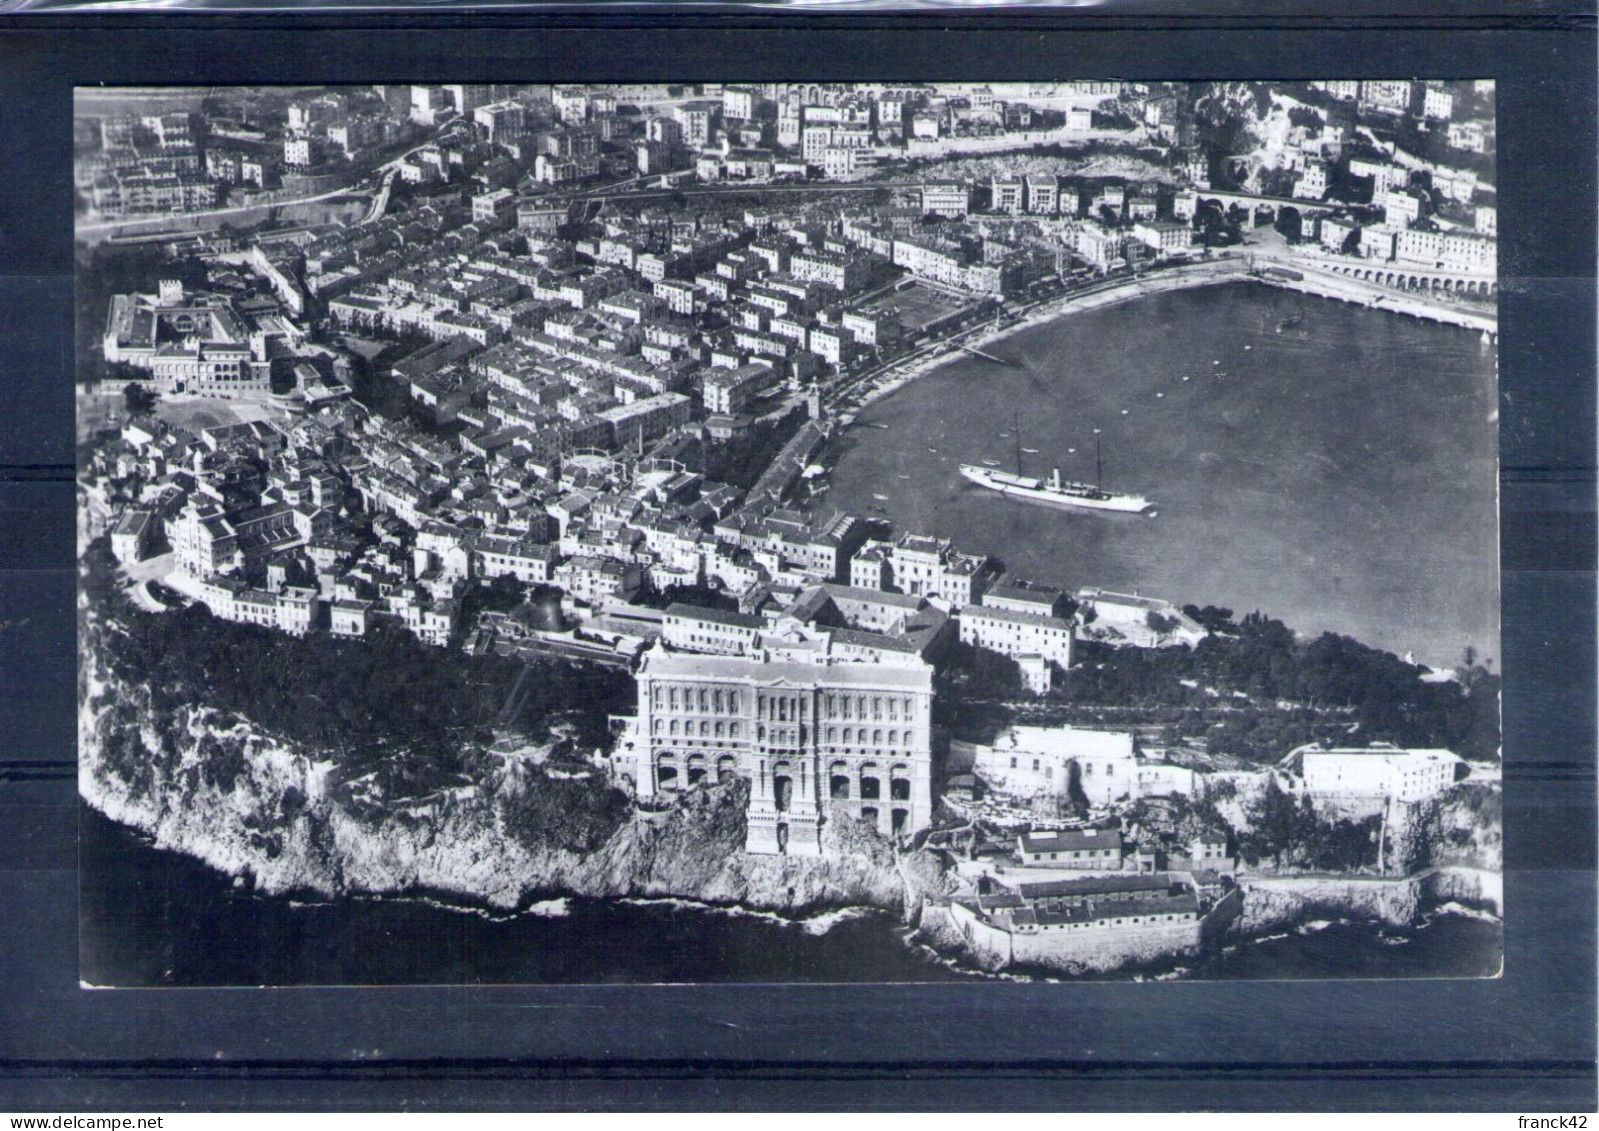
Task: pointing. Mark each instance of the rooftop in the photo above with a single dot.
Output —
(688, 665)
(714, 616)
(1071, 840)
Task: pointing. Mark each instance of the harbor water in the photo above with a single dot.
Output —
(1331, 465)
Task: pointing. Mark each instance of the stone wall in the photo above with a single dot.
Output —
(1094, 950)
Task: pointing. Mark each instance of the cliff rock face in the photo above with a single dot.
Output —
(251, 804)
(1272, 904)
(1287, 901)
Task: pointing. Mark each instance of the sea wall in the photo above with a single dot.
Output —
(948, 926)
(1326, 284)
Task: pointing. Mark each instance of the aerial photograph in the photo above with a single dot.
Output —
(798, 532)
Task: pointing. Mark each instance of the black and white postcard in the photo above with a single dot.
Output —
(813, 532)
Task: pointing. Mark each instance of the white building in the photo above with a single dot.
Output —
(1400, 208)
(1029, 761)
(815, 740)
(1470, 136)
(1164, 237)
(1015, 634)
(720, 632)
(1127, 619)
(1312, 183)
(1379, 770)
(952, 200)
(1085, 849)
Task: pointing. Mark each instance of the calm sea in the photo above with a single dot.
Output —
(157, 918)
(1331, 465)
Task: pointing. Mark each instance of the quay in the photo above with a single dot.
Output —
(975, 352)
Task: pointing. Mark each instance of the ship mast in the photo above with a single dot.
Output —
(1016, 430)
(1099, 466)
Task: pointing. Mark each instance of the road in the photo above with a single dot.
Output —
(609, 192)
(388, 168)
(111, 227)
(380, 202)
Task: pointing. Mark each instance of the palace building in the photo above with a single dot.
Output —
(814, 739)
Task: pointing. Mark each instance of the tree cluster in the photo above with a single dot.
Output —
(1251, 689)
(1291, 834)
(386, 692)
(742, 460)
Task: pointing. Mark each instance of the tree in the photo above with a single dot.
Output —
(1160, 624)
(1274, 824)
(1305, 117)
(1211, 618)
(138, 399)
(1289, 223)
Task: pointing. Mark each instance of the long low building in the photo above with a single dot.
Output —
(815, 740)
(1014, 633)
(1089, 924)
(1379, 770)
(1095, 849)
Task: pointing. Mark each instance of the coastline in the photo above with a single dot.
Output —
(899, 374)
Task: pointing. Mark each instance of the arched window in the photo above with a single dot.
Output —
(716, 701)
(849, 735)
(733, 730)
(832, 734)
(674, 726)
(877, 738)
(721, 730)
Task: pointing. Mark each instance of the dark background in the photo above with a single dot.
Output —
(1529, 1044)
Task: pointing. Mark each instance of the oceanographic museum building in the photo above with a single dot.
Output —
(815, 738)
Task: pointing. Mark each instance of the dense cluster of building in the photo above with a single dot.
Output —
(1403, 202)
(558, 358)
(1094, 893)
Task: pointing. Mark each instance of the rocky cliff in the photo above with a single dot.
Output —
(1288, 901)
(286, 818)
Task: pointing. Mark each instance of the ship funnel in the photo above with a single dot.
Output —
(1054, 477)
